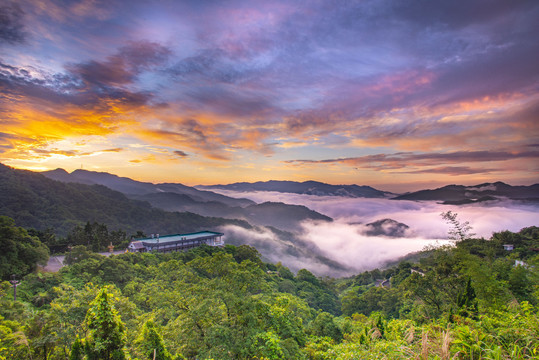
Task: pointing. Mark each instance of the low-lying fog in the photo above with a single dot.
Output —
(344, 240)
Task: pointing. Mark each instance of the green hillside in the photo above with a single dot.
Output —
(469, 301)
(35, 201)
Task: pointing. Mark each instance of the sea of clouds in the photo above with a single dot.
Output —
(344, 239)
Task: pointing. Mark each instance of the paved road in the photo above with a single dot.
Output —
(57, 262)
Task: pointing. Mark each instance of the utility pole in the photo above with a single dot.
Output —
(14, 282)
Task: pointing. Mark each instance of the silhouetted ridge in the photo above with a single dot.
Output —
(306, 188)
(460, 194)
(34, 201)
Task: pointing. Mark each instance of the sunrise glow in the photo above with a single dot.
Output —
(365, 92)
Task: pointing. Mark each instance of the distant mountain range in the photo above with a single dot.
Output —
(132, 187)
(35, 201)
(450, 194)
(179, 197)
(201, 201)
(306, 188)
(461, 195)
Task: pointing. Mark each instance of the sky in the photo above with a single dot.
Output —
(398, 95)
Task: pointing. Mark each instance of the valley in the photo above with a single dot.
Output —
(329, 229)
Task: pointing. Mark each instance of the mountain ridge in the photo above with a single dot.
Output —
(452, 193)
(461, 194)
(35, 201)
(306, 188)
(132, 187)
(183, 198)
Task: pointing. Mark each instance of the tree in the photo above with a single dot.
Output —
(76, 350)
(437, 290)
(246, 252)
(306, 275)
(267, 346)
(79, 253)
(324, 325)
(21, 253)
(151, 343)
(106, 337)
(458, 231)
(519, 283)
(466, 302)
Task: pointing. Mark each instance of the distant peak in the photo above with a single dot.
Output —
(90, 172)
(56, 171)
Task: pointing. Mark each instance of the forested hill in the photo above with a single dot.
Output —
(133, 188)
(182, 198)
(460, 194)
(35, 201)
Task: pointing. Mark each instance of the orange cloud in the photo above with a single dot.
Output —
(33, 129)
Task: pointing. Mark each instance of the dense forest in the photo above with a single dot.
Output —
(474, 300)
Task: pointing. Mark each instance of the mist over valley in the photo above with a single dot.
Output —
(349, 239)
(328, 229)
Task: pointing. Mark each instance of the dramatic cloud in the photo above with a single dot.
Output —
(123, 67)
(406, 160)
(11, 23)
(276, 249)
(346, 244)
(250, 85)
(450, 170)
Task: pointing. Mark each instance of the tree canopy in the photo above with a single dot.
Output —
(20, 252)
(472, 300)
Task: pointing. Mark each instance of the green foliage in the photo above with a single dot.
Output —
(79, 253)
(21, 253)
(466, 302)
(324, 326)
(470, 301)
(245, 252)
(373, 299)
(37, 288)
(520, 283)
(499, 335)
(13, 341)
(458, 231)
(96, 237)
(77, 350)
(267, 345)
(106, 332)
(316, 292)
(150, 343)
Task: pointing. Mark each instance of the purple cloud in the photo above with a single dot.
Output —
(404, 160)
(11, 24)
(222, 78)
